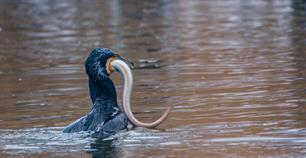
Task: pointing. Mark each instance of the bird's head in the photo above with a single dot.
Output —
(98, 63)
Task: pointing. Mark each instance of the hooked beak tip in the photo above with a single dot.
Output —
(132, 65)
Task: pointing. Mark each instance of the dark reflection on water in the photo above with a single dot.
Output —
(103, 148)
(234, 70)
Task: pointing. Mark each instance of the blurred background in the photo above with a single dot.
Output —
(234, 71)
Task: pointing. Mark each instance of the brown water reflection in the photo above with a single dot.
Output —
(234, 70)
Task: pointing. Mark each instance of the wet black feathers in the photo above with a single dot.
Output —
(105, 118)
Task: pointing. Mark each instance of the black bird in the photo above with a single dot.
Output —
(105, 117)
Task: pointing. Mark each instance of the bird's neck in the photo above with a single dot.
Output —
(102, 90)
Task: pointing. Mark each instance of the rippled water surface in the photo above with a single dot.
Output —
(235, 71)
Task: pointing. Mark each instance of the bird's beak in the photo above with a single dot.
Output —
(130, 63)
(121, 65)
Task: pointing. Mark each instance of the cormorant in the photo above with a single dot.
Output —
(106, 118)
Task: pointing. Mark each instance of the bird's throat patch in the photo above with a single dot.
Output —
(109, 66)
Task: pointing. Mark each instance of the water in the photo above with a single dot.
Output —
(234, 70)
